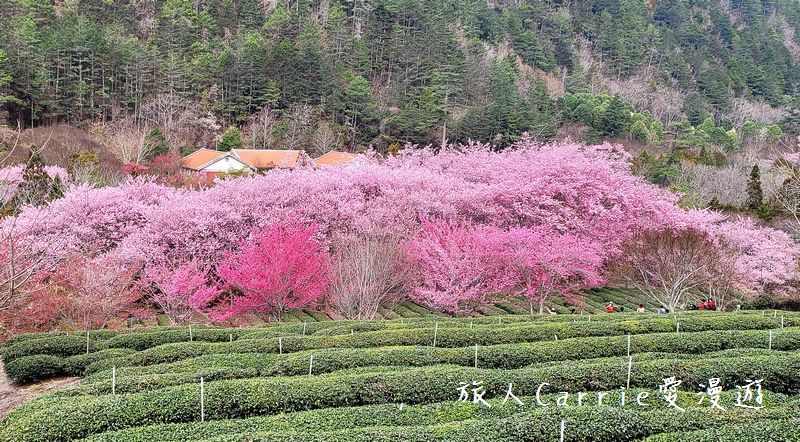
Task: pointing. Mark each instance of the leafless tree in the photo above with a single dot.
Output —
(300, 116)
(788, 198)
(9, 139)
(367, 270)
(128, 141)
(667, 105)
(720, 284)
(667, 264)
(728, 184)
(26, 245)
(258, 131)
(325, 138)
(757, 111)
(166, 111)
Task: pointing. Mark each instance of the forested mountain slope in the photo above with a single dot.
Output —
(382, 72)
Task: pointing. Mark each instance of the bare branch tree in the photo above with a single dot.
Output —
(728, 184)
(366, 271)
(27, 248)
(325, 138)
(128, 141)
(11, 142)
(300, 116)
(788, 198)
(667, 264)
(720, 285)
(167, 111)
(258, 131)
(26, 245)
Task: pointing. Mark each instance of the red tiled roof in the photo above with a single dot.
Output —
(268, 158)
(199, 158)
(257, 158)
(335, 158)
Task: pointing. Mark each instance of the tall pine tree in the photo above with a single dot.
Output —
(755, 194)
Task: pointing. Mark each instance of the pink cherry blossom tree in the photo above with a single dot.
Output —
(79, 293)
(281, 267)
(96, 290)
(456, 268)
(544, 264)
(180, 292)
(763, 258)
(573, 192)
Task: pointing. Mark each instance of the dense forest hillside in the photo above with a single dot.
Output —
(351, 73)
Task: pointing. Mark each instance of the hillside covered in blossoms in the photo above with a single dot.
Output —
(454, 229)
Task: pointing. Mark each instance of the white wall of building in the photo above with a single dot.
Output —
(226, 165)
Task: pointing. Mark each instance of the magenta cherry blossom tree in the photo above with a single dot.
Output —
(281, 267)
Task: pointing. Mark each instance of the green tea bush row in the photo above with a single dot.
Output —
(447, 337)
(74, 344)
(81, 416)
(102, 334)
(506, 356)
(601, 425)
(38, 367)
(345, 327)
(787, 430)
(263, 365)
(52, 346)
(390, 415)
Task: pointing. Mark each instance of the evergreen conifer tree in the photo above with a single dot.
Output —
(755, 195)
(231, 139)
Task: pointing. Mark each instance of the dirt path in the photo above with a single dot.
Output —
(12, 395)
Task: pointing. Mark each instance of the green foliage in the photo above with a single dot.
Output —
(267, 342)
(231, 139)
(75, 343)
(500, 356)
(81, 416)
(755, 195)
(607, 116)
(772, 429)
(40, 367)
(774, 133)
(613, 118)
(5, 80)
(695, 109)
(157, 142)
(34, 368)
(89, 61)
(448, 420)
(362, 370)
(705, 157)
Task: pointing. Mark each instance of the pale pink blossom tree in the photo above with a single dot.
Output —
(457, 268)
(97, 290)
(180, 291)
(544, 264)
(577, 191)
(763, 258)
